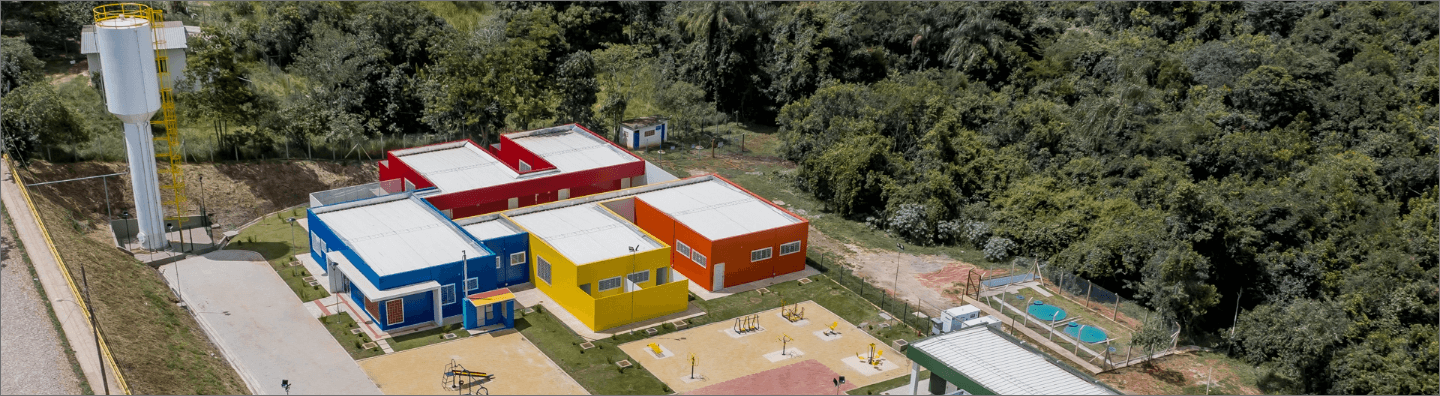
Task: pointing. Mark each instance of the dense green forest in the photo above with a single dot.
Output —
(1197, 156)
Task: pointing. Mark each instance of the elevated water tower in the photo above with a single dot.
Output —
(134, 93)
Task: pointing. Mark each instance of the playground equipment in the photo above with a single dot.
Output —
(747, 324)
(793, 313)
(655, 348)
(455, 377)
(784, 341)
(692, 365)
(831, 331)
(874, 358)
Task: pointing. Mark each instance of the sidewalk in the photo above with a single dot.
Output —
(73, 319)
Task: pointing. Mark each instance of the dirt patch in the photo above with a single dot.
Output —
(928, 278)
(234, 192)
(1173, 374)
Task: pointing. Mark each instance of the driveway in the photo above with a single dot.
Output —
(260, 324)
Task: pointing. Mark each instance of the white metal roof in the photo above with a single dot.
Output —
(716, 209)
(586, 233)
(571, 149)
(491, 229)
(173, 32)
(397, 233)
(457, 166)
(1003, 366)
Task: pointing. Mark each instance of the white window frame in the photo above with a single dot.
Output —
(796, 244)
(472, 284)
(451, 289)
(497, 263)
(524, 167)
(768, 252)
(618, 281)
(701, 260)
(542, 269)
(682, 248)
(514, 261)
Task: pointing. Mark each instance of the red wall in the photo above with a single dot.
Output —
(735, 253)
(667, 230)
(538, 190)
(398, 169)
(510, 153)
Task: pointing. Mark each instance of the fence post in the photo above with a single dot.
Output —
(1116, 315)
(1089, 288)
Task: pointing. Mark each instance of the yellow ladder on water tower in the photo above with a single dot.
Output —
(171, 157)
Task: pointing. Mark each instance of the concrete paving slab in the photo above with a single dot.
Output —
(711, 295)
(519, 368)
(260, 324)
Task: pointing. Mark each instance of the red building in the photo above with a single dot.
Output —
(525, 168)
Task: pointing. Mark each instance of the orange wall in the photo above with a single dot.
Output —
(667, 230)
(735, 253)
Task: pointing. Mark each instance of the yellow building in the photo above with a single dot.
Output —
(599, 266)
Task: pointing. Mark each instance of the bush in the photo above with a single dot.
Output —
(998, 249)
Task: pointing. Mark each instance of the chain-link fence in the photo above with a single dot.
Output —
(1109, 304)
(833, 266)
(212, 147)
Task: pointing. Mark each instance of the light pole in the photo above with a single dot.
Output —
(897, 268)
(292, 231)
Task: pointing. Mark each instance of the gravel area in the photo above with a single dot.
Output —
(33, 362)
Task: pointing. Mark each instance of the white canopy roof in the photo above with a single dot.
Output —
(586, 233)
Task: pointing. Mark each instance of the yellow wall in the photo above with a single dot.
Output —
(614, 307)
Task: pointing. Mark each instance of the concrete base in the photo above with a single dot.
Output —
(864, 368)
(826, 335)
(789, 353)
(731, 332)
(689, 380)
(664, 352)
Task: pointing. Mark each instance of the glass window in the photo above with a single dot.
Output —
(760, 254)
(640, 277)
(610, 284)
(472, 284)
(788, 248)
(682, 248)
(517, 258)
(699, 258)
(447, 294)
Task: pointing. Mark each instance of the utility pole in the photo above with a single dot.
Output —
(94, 329)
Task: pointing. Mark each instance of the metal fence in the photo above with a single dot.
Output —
(833, 266)
(1124, 311)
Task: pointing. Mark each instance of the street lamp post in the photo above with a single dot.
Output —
(897, 268)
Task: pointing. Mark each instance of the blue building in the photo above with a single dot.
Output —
(407, 265)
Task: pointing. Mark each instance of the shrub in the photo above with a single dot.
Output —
(998, 249)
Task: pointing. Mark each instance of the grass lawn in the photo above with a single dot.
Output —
(159, 347)
(427, 337)
(876, 388)
(339, 326)
(271, 237)
(595, 368)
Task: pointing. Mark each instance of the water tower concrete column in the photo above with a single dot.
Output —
(126, 47)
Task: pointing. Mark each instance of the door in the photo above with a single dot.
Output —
(719, 277)
(564, 194)
(514, 203)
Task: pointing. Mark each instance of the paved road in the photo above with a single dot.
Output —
(261, 326)
(33, 362)
(72, 319)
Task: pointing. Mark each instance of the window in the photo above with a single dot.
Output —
(542, 269)
(395, 312)
(447, 294)
(524, 167)
(699, 258)
(640, 277)
(650, 133)
(517, 258)
(497, 262)
(610, 284)
(472, 284)
(682, 248)
(760, 254)
(662, 276)
(789, 248)
(315, 242)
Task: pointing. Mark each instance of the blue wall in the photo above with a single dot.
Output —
(419, 308)
(503, 247)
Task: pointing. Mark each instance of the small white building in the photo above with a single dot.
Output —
(174, 33)
(644, 132)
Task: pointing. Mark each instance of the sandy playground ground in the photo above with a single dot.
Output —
(722, 355)
(518, 366)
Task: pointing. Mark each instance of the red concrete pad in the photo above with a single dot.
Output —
(805, 378)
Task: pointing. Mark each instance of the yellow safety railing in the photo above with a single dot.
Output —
(140, 13)
(75, 291)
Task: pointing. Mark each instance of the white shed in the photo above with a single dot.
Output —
(644, 132)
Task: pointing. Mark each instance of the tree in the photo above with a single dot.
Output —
(34, 118)
(18, 64)
(575, 83)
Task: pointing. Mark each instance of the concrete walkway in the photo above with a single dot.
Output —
(767, 282)
(261, 326)
(73, 320)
